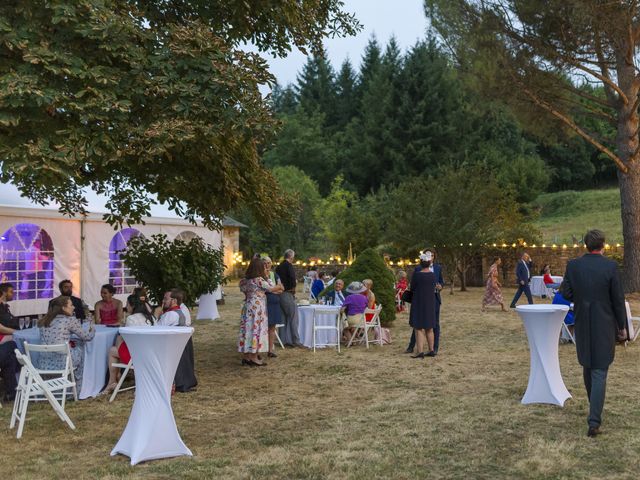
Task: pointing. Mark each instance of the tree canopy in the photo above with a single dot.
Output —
(130, 98)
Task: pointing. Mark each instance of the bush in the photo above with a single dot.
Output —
(370, 264)
(160, 265)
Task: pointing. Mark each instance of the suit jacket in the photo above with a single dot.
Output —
(331, 296)
(523, 272)
(592, 283)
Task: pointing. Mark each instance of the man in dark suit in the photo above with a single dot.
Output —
(337, 295)
(592, 283)
(523, 275)
(436, 268)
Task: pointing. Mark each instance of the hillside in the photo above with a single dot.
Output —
(567, 213)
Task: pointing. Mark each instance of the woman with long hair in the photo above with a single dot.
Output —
(56, 327)
(493, 292)
(138, 316)
(253, 337)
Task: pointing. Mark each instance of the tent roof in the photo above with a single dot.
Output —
(11, 199)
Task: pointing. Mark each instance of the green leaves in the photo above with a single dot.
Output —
(155, 97)
(160, 265)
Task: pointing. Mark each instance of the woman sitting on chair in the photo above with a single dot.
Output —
(56, 327)
(548, 281)
(139, 316)
(354, 306)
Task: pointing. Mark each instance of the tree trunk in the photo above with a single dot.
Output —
(627, 146)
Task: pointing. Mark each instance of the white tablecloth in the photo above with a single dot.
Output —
(207, 307)
(538, 287)
(151, 431)
(543, 324)
(94, 373)
(305, 325)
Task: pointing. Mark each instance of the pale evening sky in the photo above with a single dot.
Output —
(403, 18)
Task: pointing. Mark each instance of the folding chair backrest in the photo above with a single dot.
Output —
(28, 366)
(629, 321)
(373, 311)
(61, 349)
(326, 311)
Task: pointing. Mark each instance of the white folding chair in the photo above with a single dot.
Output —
(127, 367)
(63, 350)
(334, 325)
(566, 333)
(278, 326)
(633, 323)
(364, 326)
(30, 386)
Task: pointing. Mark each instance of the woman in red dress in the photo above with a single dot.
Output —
(401, 286)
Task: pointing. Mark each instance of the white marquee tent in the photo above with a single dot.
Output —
(39, 247)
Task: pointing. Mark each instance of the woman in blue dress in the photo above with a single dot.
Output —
(422, 316)
(274, 313)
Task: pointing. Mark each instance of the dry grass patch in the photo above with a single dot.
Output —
(361, 414)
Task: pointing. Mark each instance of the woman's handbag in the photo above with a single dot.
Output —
(407, 296)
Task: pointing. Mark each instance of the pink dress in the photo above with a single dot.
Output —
(492, 294)
(254, 323)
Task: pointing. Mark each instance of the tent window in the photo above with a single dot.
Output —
(26, 261)
(119, 275)
(186, 236)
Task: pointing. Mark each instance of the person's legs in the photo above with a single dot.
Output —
(114, 357)
(596, 391)
(527, 292)
(290, 309)
(420, 340)
(516, 297)
(287, 313)
(272, 337)
(8, 368)
(430, 339)
(436, 330)
(412, 342)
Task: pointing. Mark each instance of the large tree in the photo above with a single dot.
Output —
(129, 97)
(539, 51)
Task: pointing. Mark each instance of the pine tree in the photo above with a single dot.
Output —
(346, 107)
(371, 60)
(316, 88)
(283, 100)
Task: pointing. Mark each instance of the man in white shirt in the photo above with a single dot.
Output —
(173, 315)
(178, 294)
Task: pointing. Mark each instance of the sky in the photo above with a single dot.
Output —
(403, 18)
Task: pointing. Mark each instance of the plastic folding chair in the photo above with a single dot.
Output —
(364, 327)
(63, 350)
(127, 367)
(334, 325)
(278, 326)
(633, 323)
(30, 386)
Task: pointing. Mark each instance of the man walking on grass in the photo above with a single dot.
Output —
(592, 283)
(523, 275)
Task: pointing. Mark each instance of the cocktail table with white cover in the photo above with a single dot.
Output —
(95, 356)
(543, 324)
(151, 431)
(538, 288)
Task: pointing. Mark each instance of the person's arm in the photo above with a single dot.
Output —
(96, 312)
(440, 281)
(371, 300)
(76, 328)
(616, 293)
(6, 330)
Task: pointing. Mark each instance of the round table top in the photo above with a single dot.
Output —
(157, 330)
(542, 308)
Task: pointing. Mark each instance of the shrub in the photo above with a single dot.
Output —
(370, 264)
(160, 265)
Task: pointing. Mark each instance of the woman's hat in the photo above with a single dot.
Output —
(356, 287)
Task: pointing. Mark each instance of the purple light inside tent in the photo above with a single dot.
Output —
(119, 275)
(26, 261)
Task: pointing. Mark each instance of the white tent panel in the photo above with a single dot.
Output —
(65, 235)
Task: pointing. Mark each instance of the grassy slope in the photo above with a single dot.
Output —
(359, 414)
(568, 213)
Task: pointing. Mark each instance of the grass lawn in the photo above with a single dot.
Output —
(361, 414)
(568, 213)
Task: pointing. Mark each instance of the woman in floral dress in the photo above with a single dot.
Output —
(493, 294)
(254, 322)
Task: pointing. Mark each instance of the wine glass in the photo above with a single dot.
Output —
(21, 323)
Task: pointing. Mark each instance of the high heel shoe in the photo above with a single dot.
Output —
(432, 353)
(248, 363)
(419, 355)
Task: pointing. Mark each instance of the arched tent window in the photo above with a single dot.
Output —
(26, 261)
(186, 236)
(119, 275)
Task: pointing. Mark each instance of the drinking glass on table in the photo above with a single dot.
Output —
(21, 323)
